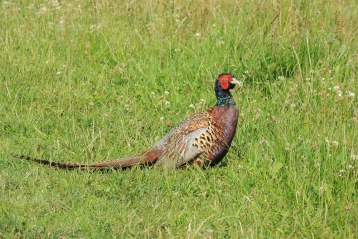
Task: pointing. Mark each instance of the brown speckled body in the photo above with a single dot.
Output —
(213, 131)
(225, 120)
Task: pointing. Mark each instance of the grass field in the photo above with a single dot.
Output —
(86, 81)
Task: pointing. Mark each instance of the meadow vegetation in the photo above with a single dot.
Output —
(86, 81)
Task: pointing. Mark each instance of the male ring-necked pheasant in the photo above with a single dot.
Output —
(203, 139)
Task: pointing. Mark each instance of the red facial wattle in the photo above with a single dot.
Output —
(224, 81)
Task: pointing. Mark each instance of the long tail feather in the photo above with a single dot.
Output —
(145, 158)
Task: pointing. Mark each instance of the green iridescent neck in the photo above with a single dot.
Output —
(227, 100)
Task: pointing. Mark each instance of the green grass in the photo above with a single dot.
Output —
(85, 81)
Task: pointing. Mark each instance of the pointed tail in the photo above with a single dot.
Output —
(146, 158)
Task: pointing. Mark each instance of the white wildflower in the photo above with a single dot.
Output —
(334, 143)
(166, 103)
(351, 95)
(354, 156)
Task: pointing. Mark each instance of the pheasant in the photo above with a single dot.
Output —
(202, 140)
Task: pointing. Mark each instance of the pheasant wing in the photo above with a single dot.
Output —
(180, 145)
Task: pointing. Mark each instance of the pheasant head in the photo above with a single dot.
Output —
(223, 84)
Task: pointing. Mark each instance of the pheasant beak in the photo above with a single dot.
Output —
(236, 82)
